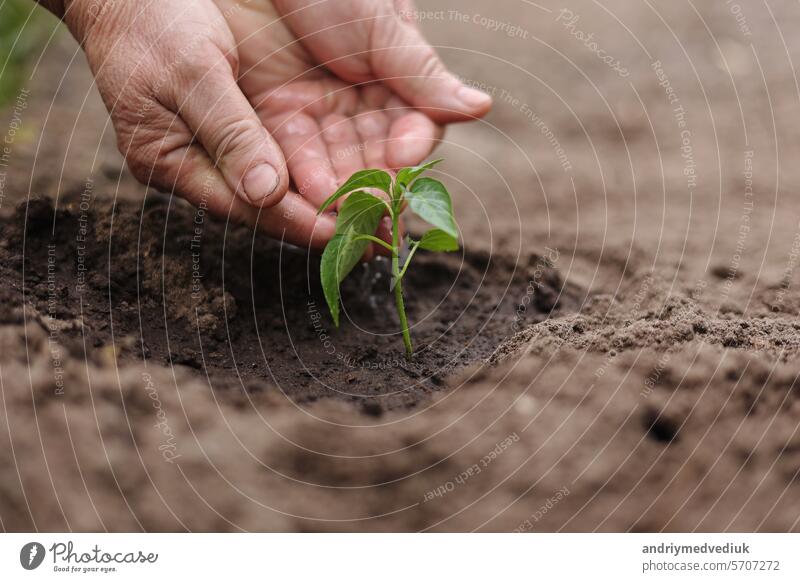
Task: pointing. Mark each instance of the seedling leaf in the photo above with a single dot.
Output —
(438, 240)
(429, 199)
(358, 220)
(360, 214)
(362, 211)
(364, 179)
(408, 175)
(329, 275)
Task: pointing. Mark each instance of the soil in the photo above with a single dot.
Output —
(141, 284)
(617, 348)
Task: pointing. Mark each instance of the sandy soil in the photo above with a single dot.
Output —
(616, 348)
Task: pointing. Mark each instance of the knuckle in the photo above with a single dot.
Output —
(133, 136)
(141, 170)
(142, 163)
(197, 64)
(187, 69)
(232, 58)
(143, 151)
(430, 65)
(233, 137)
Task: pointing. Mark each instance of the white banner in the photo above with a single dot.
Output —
(400, 557)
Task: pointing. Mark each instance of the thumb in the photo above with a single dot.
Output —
(224, 122)
(404, 61)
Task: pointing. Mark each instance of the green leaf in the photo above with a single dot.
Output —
(360, 214)
(429, 199)
(329, 272)
(408, 175)
(363, 179)
(438, 240)
(362, 211)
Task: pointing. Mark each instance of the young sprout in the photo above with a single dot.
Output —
(358, 220)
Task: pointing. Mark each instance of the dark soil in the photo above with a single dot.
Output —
(248, 314)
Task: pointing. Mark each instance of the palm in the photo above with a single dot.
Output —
(327, 128)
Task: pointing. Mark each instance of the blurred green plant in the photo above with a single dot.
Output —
(24, 29)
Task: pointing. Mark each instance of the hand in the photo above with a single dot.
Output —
(344, 85)
(168, 74)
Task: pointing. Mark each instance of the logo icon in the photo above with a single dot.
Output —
(31, 555)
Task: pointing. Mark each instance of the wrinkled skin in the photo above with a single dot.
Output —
(258, 109)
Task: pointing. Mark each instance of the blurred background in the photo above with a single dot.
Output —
(24, 26)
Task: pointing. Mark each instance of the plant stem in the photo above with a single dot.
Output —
(378, 241)
(398, 288)
(408, 259)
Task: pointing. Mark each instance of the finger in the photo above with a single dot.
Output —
(412, 138)
(406, 63)
(306, 153)
(344, 146)
(373, 131)
(224, 122)
(345, 150)
(293, 219)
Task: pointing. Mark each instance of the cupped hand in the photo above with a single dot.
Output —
(167, 74)
(344, 85)
(227, 103)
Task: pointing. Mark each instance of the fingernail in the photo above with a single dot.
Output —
(473, 98)
(260, 182)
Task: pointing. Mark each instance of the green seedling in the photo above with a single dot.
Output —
(359, 217)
